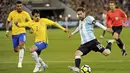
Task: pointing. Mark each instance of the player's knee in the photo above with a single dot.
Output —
(16, 50)
(78, 53)
(21, 45)
(106, 52)
(115, 36)
(32, 49)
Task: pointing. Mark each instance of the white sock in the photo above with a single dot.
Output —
(35, 56)
(21, 55)
(41, 61)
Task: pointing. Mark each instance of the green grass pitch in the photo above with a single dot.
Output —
(60, 54)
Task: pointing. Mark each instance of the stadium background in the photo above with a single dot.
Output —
(62, 11)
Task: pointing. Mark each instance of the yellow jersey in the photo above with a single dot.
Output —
(40, 28)
(19, 17)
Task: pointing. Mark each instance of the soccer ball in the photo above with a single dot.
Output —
(85, 69)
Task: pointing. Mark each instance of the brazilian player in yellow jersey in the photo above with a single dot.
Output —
(39, 28)
(18, 34)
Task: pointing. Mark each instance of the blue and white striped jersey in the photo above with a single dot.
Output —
(86, 28)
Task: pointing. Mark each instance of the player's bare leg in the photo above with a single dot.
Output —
(35, 57)
(120, 43)
(20, 48)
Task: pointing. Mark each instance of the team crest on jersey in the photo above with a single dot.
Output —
(116, 18)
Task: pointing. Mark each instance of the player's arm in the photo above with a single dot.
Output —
(21, 25)
(101, 26)
(124, 17)
(93, 21)
(28, 18)
(50, 23)
(9, 19)
(74, 32)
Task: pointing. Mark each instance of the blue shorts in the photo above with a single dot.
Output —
(18, 38)
(41, 45)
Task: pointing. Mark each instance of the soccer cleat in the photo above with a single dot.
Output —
(43, 67)
(37, 68)
(74, 69)
(124, 53)
(19, 65)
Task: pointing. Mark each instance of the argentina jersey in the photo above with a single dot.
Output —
(86, 29)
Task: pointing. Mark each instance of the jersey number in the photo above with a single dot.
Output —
(100, 46)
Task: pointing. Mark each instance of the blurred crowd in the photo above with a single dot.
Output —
(5, 8)
(96, 7)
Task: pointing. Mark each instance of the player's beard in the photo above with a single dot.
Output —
(81, 18)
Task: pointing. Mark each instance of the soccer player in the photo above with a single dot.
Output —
(88, 39)
(117, 19)
(39, 29)
(18, 34)
(104, 23)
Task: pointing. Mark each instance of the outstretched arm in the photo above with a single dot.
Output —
(74, 32)
(124, 17)
(22, 24)
(102, 26)
(50, 23)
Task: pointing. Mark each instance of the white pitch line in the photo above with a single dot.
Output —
(107, 61)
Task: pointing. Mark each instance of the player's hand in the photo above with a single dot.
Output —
(105, 24)
(124, 25)
(66, 30)
(109, 30)
(70, 35)
(31, 31)
(7, 33)
(16, 23)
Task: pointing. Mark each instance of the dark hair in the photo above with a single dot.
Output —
(80, 9)
(18, 2)
(35, 11)
(112, 1)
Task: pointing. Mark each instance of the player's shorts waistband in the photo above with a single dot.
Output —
(90, 41)
(19, 34)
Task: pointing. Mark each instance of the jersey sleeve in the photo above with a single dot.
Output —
(9, 17)
(75, 31)
(50, 23)
(28, 24)
(28, 17)
(90, 19)
(100, 25)
(123, 15)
